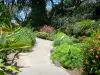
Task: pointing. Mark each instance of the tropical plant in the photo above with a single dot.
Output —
(8, 45)
(11, 68)
(25, 35)
(7, 42)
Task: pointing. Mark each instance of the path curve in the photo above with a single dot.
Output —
(38, 62)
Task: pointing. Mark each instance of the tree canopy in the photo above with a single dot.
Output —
(38, 14)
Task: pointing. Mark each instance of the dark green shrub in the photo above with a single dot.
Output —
(69, 56)
(84, 27)
(5, 16)
(88, 8)
(75, 40)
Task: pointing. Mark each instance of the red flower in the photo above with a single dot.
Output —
(46, 28)
(96, 56)
(99, 36)
(82, 70)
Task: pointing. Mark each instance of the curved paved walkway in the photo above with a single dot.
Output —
(38, 62)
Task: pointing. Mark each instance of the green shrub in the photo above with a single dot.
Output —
(5, 17)
(69, 56)
(42, 35)
(51, 36)
(25, 35)
(61, 38)
(46, 35)
(84, 27)
(75, 40)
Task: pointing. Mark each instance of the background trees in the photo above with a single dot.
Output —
(36, 14)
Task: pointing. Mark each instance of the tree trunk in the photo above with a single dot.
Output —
(39, 15)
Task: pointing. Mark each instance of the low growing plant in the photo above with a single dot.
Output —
(70, 56)
(42, 35)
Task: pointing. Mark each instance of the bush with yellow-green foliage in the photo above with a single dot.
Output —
(20, 40)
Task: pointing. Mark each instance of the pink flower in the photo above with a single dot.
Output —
(46, 28)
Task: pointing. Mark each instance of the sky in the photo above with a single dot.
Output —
(49, 4)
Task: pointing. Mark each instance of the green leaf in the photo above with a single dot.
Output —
(3, 39)
(2, 65)
(1, 60)
(93, 61)
(0, 0)
(18, 44)
(2, 72)
(13, 68)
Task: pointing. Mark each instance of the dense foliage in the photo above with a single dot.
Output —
(67, 52)
(14, 41)
(25, 35)
(91, 52)
(70, 19)
(5, 17)
(69, 56)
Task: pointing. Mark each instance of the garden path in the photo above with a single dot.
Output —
(38, 62)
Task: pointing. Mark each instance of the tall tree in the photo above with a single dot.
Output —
(39, 13)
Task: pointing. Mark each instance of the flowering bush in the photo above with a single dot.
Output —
(46, 32)
(91, 52)
(46, 28)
